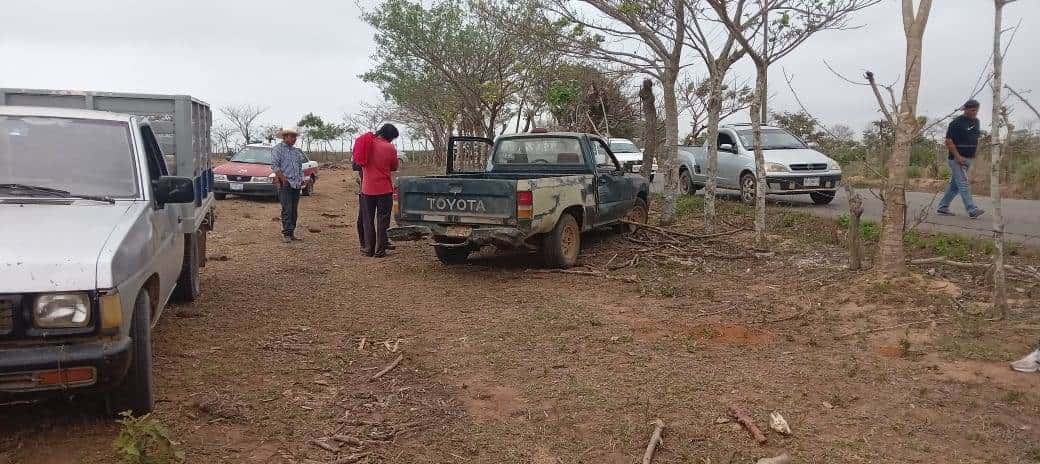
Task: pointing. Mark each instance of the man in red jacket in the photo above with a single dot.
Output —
(377, 188)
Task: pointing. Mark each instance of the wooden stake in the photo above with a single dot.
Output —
(655, 440)
(737, 414)
(387, 368)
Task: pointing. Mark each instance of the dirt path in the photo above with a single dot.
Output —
(505, 365)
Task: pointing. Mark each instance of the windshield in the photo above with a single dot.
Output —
(560, 151)
(772, 139)
(254, 155)
(623, 147)
(82, 156)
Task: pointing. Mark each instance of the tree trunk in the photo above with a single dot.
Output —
(891, 255)
(669, 165)
(764, 96)
(855, 213)
(760, 164)
(996, 152)
(650, 139)
(711, 141)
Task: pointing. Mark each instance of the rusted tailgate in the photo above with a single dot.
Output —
(457, 200)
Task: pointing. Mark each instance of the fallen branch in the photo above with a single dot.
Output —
(655, 440)
(349, 440)
(352, 458)
(961, 264)
(325, 445)
(631, 280)
(388, 368)
(683, 234)
(883, 329)
(737, 414)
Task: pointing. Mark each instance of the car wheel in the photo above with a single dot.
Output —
(220, 196)
(189, 284)
(451, 255)
(135, 394)
(309, 189)
(822, 198)
(748, 186)
(639, 214)
(562, 245)
(686, 186)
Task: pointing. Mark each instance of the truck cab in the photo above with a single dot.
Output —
(99, 234)
(539, 191)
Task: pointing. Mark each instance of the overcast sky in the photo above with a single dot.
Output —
(305, 55)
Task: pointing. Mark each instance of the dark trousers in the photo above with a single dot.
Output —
(290, 200)
(375, 212)
(361, 221)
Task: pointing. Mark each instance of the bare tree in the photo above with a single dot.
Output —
(799, 20)
(999, 114)
(243, 117)
(642, 36)
(891, 254)
(650, 136)
(223, 133)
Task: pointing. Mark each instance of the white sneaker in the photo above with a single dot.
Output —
(1030, 363)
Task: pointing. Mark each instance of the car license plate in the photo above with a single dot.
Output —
(237, 186)
(459, 231)
(811, 182)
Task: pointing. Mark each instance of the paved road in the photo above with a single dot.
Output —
(1022, 217)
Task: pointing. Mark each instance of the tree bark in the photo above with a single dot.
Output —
(855, 213)
(891, 255)
(996, 152)
(711, 141)
(760, 165)
(669, 165)
(650, 135)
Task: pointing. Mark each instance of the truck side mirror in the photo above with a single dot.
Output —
(813, 145)
(173, 189)
(726, 147)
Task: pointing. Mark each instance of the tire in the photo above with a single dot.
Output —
(220, 196)
(562, 246)
(309, 189)
(189, 285)
(748, 186)
(822, 198)
(686, 185)
(136, 393)
(640, 213)
(451, 255)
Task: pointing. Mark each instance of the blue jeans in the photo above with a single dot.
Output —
(958, 184)
(290, 200)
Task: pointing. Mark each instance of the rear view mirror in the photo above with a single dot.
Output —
(726, 147)
(173, 189)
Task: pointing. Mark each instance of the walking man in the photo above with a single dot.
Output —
(962, 139)
(287, 164)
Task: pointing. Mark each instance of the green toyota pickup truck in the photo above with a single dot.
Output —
(539, 192)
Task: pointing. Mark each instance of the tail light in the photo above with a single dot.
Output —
(397, 197)
(397, 194)
(524, 204)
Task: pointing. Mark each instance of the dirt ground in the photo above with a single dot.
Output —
(502, 364)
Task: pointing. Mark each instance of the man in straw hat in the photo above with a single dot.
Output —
(287, 164)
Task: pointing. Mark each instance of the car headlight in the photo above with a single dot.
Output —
(62, 311)
(263, 180)
(219, 178)
(775, 167)
(833, 166)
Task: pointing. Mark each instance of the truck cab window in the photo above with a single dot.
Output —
(156, 162)
(725, 138)
(604, 161)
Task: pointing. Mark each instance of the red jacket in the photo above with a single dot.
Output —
(375, 171)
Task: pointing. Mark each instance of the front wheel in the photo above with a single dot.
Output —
(748, 187)
(451, 255)
(639, 214)
(562, 245)
(219, 196)
(135, 394)
(309, 189)
(822, 198)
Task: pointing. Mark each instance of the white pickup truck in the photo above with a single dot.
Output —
(100, 230)
(792, 166)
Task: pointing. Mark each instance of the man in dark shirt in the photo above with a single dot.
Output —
(962, 139)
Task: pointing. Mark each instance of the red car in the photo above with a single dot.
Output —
(249, 173)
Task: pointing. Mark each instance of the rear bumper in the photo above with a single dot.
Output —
(110, 360)
(793, 185)
(248, 188)
(460, 236)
